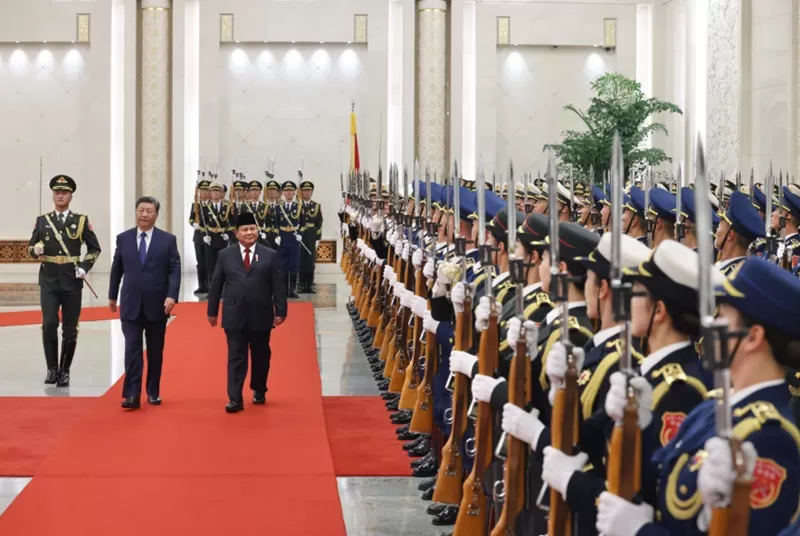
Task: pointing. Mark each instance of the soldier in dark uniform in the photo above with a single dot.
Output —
(270, 222)
(238, 206)
(311, 231)
(216, 214)
(289, 221)
(56, 241)
(196, 220)
(257, 208)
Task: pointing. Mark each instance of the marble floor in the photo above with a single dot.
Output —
(370, 505)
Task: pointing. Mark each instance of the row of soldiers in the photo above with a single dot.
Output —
(290, 227)
(523, 426)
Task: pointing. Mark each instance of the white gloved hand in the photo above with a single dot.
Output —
(430, 324)
(428, 270)
(345, 229)
(462, 362)
(523, 425)
(38, 249)
(392, 280)
(206, 239)
(225, 237)
(408, 299)
(277, 240)
(80, 273)
(391, 238)
(375, 225)
(196, 226)
(531, 335)
(360, 244)
(387, 271)
(379, 261)
(482, 312)
(298, 237)
(716, 476)
(556, 366)
(618, 517)
(416, 258)
(420, 306)
(438, 290)
(457, 295)
(482, 387)
(262, 235)
(406, 251)
(558, 468)
(617, 398)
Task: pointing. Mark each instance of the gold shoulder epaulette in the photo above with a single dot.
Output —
(761, 413)
(671, 373)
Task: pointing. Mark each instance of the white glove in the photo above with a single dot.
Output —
(406, 251)
(438, 290)
(618, 517)
(206, 239)
(399, 288)
(457, 295)
(196, 226)
(392, 238)
(392, 279)
(345, 230)
(482, 387)
(80, 273)
(263, 236)
(558, 468)
(441, 276)
(617, 398)
(298, 237)
(387, 271)
(482, 312)
(428, 270)
(379, 262)
(556, 366)
(430, 324)
(38, 250)
(420, 306)
(531, 336)
(360, 244)
(716, 476)
(277, 240)
(408, 299)
(462, 362)
(416, 259)
(375, 225)
(225, 237)
(523, 425)
(369, 253)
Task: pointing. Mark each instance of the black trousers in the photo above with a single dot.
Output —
(136, 332)
(69, 302)
(239, 342)
(200, 256)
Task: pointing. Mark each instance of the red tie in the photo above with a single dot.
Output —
(246, 259)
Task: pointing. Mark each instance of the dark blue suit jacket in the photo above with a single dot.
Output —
(147, 285)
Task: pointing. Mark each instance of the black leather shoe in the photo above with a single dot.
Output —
(428, 458)
(412, 444)
(402, 417)
(420, 450)
(378, 376)
(401, 429)
(131, 402)
(259, 398)
(234, 406)
(373, 353)
(447, 533)
(373, 360)
(383, 385)
(407, 436)
(63, 378)
(446, 516)
(435, 509)
(390, 396)
(427, 495)
(154, 400)
(391, 405)
(428, 484)
(51, 376)
(425, 470)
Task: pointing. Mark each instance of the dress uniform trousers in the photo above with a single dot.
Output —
(307, 261)
(289, 253)
(203, 276)
(59, 289)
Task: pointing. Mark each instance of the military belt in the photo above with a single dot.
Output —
(60, 259)
(289, 229)
(216, 230)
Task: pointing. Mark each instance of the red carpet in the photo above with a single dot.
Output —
(187, 467)
(362, 438)
(32, 427)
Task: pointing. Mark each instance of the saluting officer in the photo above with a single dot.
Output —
(197, 221)
(216, 214)
(311, 231)
(56, 241)
(288, 218)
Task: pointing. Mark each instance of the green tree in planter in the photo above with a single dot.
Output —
(618, 104)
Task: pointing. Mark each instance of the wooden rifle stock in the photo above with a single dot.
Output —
(408, 398)
(449, 479)
(422, 418)
(625, 454)
(391, 357)
(401, 350)
(514, 471)
(383, 322)
(735, 519)
(374, 315)
(564, 437)
(472, 514)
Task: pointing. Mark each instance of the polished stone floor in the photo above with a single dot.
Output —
(370, 505)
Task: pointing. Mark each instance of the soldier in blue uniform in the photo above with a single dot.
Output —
(687, 202)
(789, 256)
(289, 221)
(662, 211)
(693, 473)
(740, 226)
(634, 223)
(199, 226)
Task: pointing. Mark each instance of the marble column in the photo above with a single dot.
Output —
(725, 100)
(431, 91)
(155, 109)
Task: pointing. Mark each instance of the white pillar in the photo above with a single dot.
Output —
(431, 123)
(155, 141)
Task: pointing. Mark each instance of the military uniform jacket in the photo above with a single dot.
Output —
(218, 222)
(312, 222)
(728, 266)
(195, 216)
(760, 417)
(789, 254)
(535, 306)
(288, 220)
(57, 271)
(269, 217)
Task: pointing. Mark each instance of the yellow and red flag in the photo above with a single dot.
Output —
(355, 163)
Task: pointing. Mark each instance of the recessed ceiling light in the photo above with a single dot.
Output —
(322, 42)
(349, 42)
(45, 42)
(237, 41)
(292, 42)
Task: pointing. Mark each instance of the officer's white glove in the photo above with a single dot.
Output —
(617, 398)
(523, 425)
(225, 237)
(80, 273)
(263, 236)
(556, 366)
(392, 238)
(430, 324)
(277, 240)
(206, 239)
(420, 306)
(558, 468)
(298, 237)
(399, 288)
(406, 251)
(716, 476)
(392, 280)
(375, 225)
(38, 249)
(482, 387)
(387, 270)
(345, 229)
(407, 300)
(482, 312)
(618, 517)
(457, 295)
(428, 270)
(438, 290)
(196, 226)
(360, 244)
(531, 335)
(416, 259)
(379, 261)
(462, 362)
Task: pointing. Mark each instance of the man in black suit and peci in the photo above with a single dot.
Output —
(251, 284)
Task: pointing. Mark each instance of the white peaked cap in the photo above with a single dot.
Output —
(632, 251)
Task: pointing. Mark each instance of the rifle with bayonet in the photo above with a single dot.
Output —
(373, 316)
(680, 227)
(650, 223)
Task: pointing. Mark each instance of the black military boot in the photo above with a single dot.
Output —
(427, 495)
(447, 516)
(302, 285)
(414, 443)
(201, 282)
(312, 288)
(292, 290)
(428, 484)
(51, 358)
(435, 509)
(67, 353)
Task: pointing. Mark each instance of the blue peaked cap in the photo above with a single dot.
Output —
(759, 199)
(791, 202)
(662, 204)
(743, 217)
(635, 200)
(687, 200)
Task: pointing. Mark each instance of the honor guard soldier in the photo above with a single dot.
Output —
(197, 221)
(289, 222)
(311, 231)
(687, 201)
(56, 241)
(790, 252)
(238, 206)
(633, 219)
(662, 212)
(270, 218)
(256, 207)
(216, 214)
(740, 226)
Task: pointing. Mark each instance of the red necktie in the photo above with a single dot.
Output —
(246, 259)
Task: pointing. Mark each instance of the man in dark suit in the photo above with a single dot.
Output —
(255, 302)
(148, 258)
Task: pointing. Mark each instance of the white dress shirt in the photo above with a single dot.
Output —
(556, 312)
(252, 252)
(65, 213)
(148, 236)
(656, 357)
